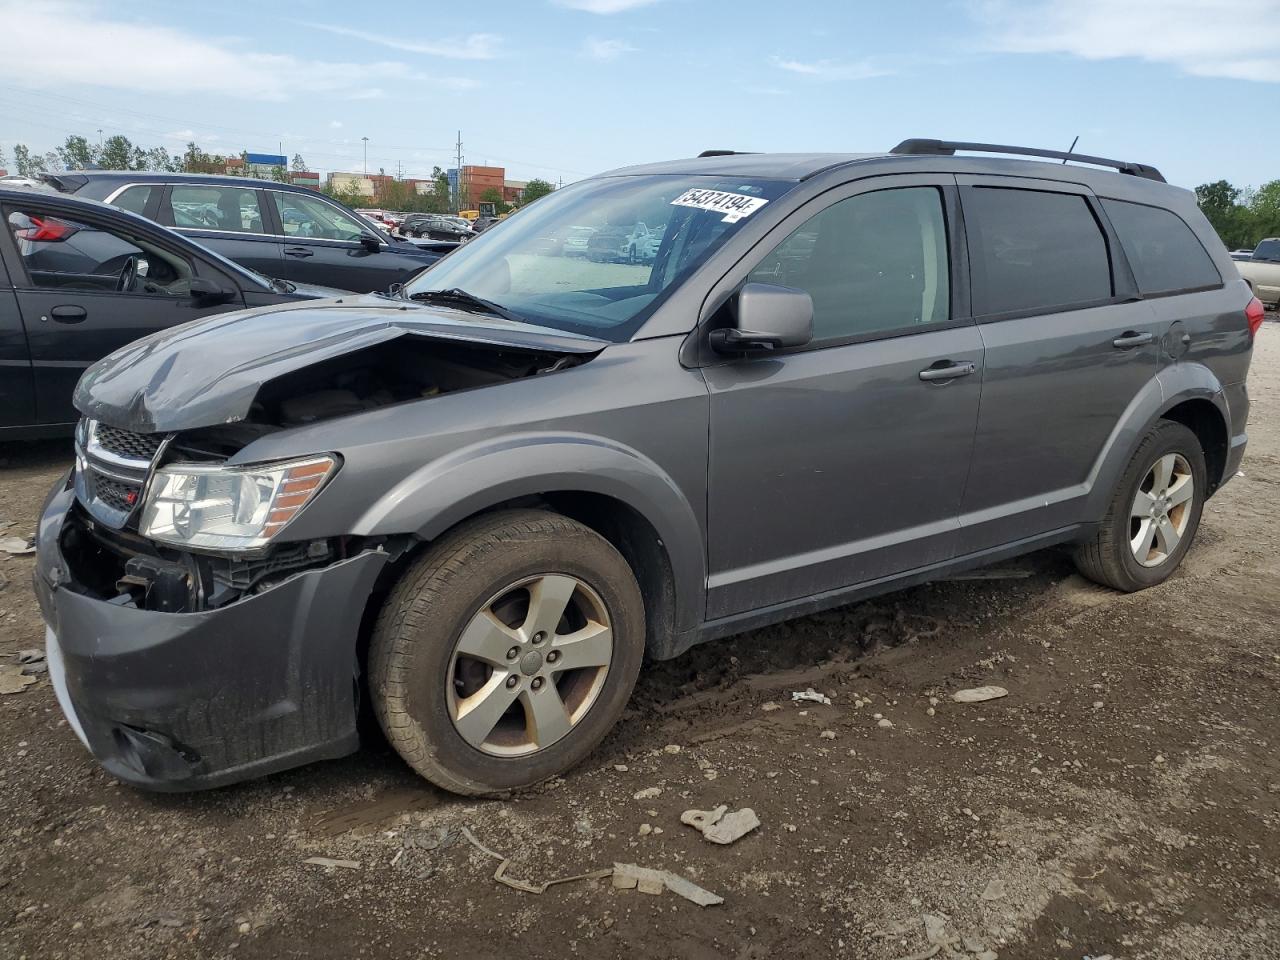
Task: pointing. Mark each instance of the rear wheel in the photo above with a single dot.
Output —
(1154, 514)
(507, 652)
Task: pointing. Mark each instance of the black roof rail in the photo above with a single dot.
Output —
(722, 153)
(945, 148)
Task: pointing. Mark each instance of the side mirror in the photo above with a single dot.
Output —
(206, 291)
(769, 318)
(370, 242)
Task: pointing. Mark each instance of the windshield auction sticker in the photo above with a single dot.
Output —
(734, 206)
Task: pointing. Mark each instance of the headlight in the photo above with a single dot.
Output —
(230, 508)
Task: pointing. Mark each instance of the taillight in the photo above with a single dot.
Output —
(46, 230)
(1253, 314)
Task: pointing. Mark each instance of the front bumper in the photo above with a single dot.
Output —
(185, 701)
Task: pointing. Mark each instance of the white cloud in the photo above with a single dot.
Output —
(476, 46)
(335, 124)
(595, 49)
(94, 50)
(1235, 39)
(831, 69)
(603, 7)
(186, 136)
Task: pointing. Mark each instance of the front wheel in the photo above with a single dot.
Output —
(507, 652)
(1154, 514)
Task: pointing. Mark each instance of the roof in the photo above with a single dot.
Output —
(773, 166)
(155, 176)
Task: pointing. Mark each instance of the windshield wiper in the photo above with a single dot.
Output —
(461, 297)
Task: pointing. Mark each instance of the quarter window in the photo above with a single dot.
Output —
(1165, 255)
(873, 263)
(134, 199)
(1034, 251)
(233, 209)
(312, 218)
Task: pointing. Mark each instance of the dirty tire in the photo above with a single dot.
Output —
(1107, 558)
(422, 619)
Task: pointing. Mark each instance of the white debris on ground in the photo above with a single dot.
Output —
(628, 876)
(812, 696)
(979, 694)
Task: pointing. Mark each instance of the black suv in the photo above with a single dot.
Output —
(279, 229)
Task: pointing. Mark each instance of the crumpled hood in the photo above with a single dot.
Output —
(209, 371)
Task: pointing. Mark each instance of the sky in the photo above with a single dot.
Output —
(561, 89)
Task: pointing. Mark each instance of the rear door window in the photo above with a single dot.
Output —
(1267, 250)
(201, 207)
(1033, 251)
(1165, 255)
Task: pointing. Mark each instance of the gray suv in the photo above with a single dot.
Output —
(483, 501)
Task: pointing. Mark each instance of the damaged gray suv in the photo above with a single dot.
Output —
(483, 501)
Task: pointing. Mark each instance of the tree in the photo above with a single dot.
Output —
(76, 153)
(494, 195)
(24, 164)
(117, 153)
(534, 190)
(1222, 206)
(4, 163)
(298, 165)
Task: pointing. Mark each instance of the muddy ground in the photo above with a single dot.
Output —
(1124, 799)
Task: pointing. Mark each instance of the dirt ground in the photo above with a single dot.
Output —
(1123, 799)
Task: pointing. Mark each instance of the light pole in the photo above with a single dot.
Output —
(366, 155)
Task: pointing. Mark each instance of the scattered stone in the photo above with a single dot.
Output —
(701, 819)
(935, 928)
(885, 723)
(1159, 758)
(672, 748)
(13, 680)
(771, 706)
(30, 655)
(979, 694)
(789, 827)
(973, 944)
(621, 767)
(828, 734)
(244, 927)
(811, 695)
(628, 876)
(648, 793)
(330, 862)
(994, 890)
(930, 712)
(732, 826)
(645, 829)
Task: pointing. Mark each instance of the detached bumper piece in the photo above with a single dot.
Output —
(184, 701)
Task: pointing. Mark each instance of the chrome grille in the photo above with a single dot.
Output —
(112, 468)
(124, 443)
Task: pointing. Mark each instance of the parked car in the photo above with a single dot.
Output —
(279, 229)
(484, 502)
(437, 227)
(577, 241)
(484, 223)
(79, 279)
(1262, 270)
(624, 244)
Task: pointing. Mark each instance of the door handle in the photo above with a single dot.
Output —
(68, 314)
(298, 252)
(1131, 338)
(948, 370)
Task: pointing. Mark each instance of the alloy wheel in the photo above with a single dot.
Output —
(1161, 510)
(529, 665)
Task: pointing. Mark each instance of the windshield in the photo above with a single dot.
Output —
(597, 257)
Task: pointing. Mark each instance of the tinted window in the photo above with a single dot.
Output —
(1163, 252)
(310, 217)
(875, 262)
(134, 199)
(1033, 251)
(216, 208)
(1267, 250)
(63, 254)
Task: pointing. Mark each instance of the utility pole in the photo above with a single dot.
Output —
(99, 136)
(457, 190)
(365, 168)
